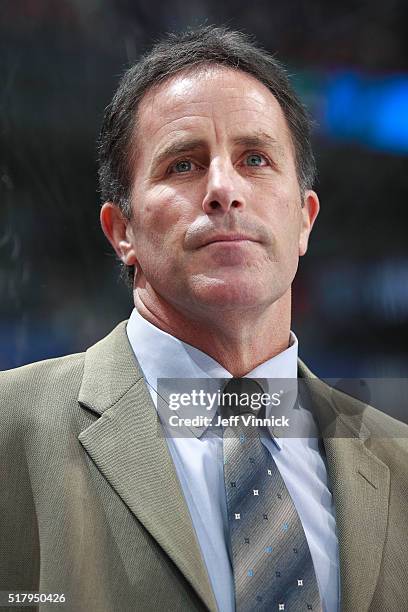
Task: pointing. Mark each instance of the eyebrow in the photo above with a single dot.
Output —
(258, 140)
(177, 148)
(254, 141)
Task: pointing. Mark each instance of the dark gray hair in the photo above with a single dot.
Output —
(177, 52)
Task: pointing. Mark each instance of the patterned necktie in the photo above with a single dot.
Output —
(272, 565)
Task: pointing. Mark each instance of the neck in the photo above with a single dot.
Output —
(237, 340)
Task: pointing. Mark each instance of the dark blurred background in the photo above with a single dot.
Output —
(59, 64)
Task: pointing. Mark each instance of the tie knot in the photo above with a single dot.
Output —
(239, 396)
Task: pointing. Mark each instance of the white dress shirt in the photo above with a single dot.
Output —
(198, 460)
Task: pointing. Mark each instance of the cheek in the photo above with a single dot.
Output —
(282, 219)
(279, 210)
(162, 216)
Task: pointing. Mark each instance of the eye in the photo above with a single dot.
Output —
(255, 159)
(181, 166)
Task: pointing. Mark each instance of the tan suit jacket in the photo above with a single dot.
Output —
(91, 505)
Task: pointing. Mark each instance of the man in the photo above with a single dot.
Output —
(206, 177)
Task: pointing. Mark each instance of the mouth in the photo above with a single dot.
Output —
(229, 240)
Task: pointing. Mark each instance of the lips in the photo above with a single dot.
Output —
(227, 238)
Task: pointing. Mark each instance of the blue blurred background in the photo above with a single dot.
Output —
(60, 62)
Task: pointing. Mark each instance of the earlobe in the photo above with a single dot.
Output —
(119, 233)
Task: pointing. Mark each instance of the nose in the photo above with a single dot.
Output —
(224, 190)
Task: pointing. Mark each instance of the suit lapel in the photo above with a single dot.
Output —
(360, 486)
(127, 446)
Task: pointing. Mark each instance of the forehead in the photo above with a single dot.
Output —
(209, 100)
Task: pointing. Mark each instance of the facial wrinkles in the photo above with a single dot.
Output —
(215, 136)
(201, 110)
(210, 112)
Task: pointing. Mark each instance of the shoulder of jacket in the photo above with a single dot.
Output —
(28, 385)
(38, 370)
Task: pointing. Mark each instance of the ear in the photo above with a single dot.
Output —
(309, 212)
(118, 230)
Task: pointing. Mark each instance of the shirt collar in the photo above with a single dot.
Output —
(161, 355)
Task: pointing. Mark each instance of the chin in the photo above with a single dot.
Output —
(234, 294)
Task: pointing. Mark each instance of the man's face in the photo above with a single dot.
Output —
(217, 218)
